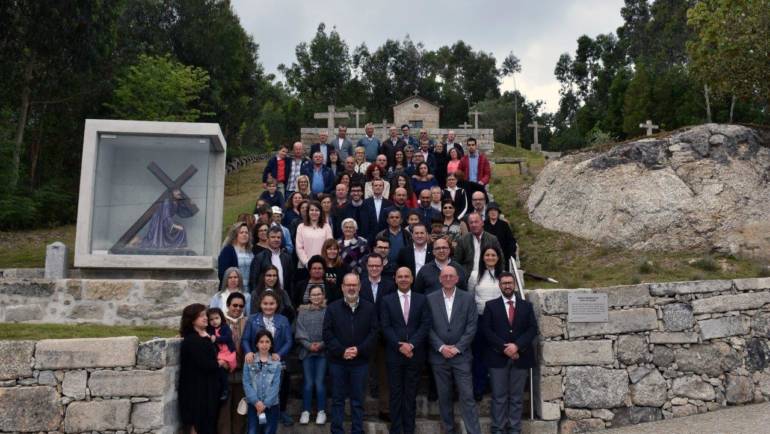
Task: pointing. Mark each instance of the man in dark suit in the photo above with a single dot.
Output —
(322, 146)
(510, 328)
(470, 245)
(342, 144)
(418, 253)
(427, 279)
(454, 320)
(349, 332)
(272, 256)
(354, 208)
(427, 212)
(374, 287)
(391, 145)
(405, 323)
(375, 211)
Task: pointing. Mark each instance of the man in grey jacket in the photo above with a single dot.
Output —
(342, 144)
(454, 319)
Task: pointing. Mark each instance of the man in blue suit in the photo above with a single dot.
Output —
(510, 328)
(405, 322)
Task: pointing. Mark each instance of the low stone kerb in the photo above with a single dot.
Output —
(86, 353)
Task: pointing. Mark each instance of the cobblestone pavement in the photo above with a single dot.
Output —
(748, 419)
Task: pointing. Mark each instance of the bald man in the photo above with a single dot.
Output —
(350, 331)
(454, 320)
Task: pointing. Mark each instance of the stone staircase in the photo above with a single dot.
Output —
(428, 420)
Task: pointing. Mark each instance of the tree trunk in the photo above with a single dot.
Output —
(516, 117)
(708, 102)
(20, 128)
(34, 149)
(732, 108)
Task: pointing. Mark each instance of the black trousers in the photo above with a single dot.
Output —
(403, 381)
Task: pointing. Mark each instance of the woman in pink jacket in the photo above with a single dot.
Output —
(312, 233)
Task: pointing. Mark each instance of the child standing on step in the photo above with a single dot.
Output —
(261, 384)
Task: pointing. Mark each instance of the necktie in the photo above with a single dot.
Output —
(510, 312)
(406, 309)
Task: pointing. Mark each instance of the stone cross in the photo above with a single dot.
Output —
(358, 113)
(475, 115)
(536, 145)
(330, 115)
(464, 125)
(649, 127)
(416, 92)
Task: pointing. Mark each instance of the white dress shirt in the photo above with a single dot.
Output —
(476, 251)
(419, 257)
(275, 259)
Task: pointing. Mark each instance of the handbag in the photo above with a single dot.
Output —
(243, 407)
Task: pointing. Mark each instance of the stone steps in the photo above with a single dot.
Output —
(423, 426)
(425, 408)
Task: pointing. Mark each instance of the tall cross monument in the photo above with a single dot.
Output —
(330, 115)
(475, 115)
(536, 144)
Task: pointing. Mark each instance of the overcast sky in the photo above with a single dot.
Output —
(537, 32)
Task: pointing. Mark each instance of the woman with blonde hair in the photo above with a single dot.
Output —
(236, 252)
(303, 186)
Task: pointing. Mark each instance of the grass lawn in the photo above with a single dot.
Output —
(15, 332)
(570, 260)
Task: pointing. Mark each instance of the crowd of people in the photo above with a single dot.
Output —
(371, 262)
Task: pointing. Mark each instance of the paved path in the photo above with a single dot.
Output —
(748, 419)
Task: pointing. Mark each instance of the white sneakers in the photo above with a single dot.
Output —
(320, 418)
(304, 418)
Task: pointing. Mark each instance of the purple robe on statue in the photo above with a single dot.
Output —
(162, 231)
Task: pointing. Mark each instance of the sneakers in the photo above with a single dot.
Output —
(320, 419)
(304, 418)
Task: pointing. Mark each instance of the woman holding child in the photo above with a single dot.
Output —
(199, 388)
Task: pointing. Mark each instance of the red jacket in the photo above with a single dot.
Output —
(484, 171)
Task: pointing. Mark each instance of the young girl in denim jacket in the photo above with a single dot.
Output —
(261, 384)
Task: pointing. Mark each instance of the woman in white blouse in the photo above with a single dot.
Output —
(312, 233)
(483, 282)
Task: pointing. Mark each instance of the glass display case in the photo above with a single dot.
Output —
(151, 195)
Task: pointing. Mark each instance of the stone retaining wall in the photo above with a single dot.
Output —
(112, 385)
(668, 350)
(485, 137)
(103, 301)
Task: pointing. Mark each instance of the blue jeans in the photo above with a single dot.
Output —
(271, 427)
(314, 367)
(348, 382)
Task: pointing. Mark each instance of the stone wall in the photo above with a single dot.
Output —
(103, 301)
(112, 385)
(484, 136)
(668, 350)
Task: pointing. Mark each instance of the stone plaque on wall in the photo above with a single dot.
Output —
(587, 307)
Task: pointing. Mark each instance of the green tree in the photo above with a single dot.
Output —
(322, 70)
(159, 89)
(731, 53)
